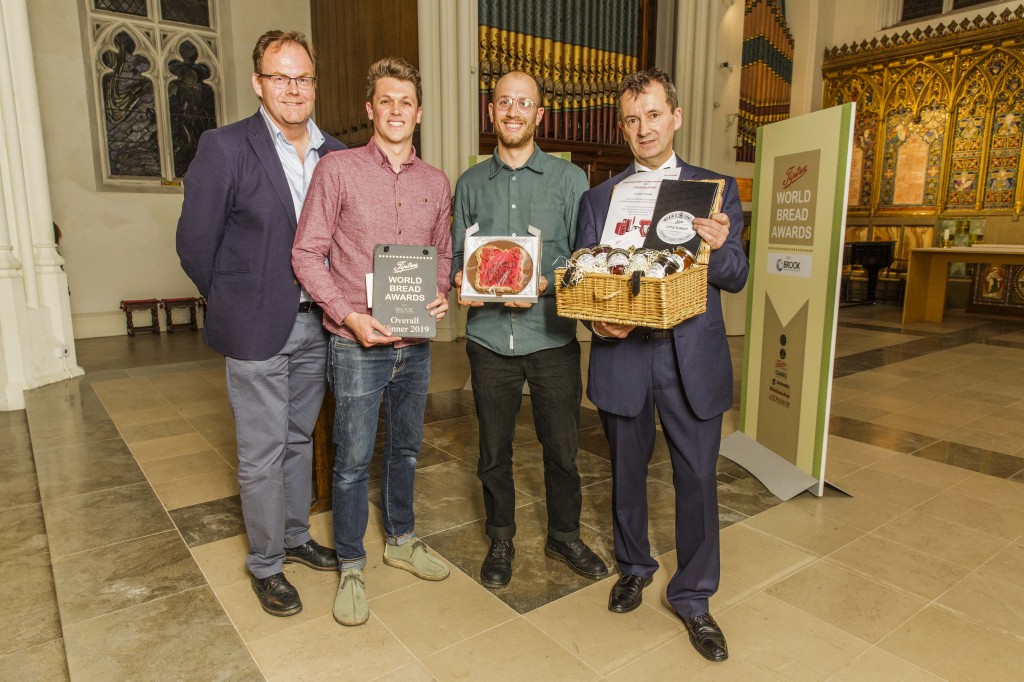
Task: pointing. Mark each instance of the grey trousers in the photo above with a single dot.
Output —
(276, 402)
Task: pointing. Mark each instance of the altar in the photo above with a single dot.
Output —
(928, 272)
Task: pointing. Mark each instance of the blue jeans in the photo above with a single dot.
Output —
(361, 378)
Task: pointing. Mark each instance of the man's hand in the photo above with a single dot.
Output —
(713, 230)
(368, 331)
(509, 304)
(615, 331)
(523, 304)
(438, 307)
(458, 293)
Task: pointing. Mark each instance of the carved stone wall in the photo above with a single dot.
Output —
(939, 117)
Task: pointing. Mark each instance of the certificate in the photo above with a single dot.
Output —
(656, 211)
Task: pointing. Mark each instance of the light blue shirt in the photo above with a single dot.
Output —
(297, 173)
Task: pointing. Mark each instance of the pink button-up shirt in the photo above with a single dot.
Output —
(356, 201)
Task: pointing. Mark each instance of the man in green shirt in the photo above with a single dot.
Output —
(513, 343)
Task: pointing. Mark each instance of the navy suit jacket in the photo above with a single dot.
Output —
(235, 238)
(619, 375)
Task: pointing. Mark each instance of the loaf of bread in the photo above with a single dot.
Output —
(500, 270)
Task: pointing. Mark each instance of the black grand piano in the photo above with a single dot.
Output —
(873, 257)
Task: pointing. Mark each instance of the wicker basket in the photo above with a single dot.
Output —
(663, 302)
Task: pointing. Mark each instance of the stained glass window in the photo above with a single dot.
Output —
(156, 85)
(918, 9)
(961, 4)
(136, 8)
(192, 105)
(195, 12)
(130, 112)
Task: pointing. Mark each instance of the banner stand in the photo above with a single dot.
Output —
(801, 186)
(784, 480)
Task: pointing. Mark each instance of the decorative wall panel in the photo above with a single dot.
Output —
(938, 117)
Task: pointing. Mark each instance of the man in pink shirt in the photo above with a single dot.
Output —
(378, 194)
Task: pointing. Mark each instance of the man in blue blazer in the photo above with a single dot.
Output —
(684, 373)
(243, 194)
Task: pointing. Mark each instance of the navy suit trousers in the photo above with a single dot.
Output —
(693, 446)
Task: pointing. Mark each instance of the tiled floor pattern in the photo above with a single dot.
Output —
(31, 646)
(915, 577)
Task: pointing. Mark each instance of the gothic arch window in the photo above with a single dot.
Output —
(914, 136)
(129, 109)
(156, 85)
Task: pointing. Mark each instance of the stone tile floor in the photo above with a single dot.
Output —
(138, 572)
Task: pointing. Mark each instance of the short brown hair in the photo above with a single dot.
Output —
(269, 38)
(393, 67)
(638, 81)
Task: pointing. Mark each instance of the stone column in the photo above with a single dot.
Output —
(34, 297)
(449, 133)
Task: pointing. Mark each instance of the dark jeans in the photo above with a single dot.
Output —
(555, 393)
(361, 379)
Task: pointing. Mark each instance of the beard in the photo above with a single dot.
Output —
(517, 140)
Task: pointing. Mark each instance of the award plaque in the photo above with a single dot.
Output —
(404, 282)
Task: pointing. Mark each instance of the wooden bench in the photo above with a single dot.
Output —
(171, 304)
(150, 304)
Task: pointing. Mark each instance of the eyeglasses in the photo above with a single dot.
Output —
(281, 81)
(524, 104)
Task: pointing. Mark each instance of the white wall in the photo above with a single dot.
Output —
(117, 244)
(811, 22)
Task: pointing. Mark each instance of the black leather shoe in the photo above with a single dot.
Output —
(311, 554)
(577, 556)
(496, 570)
(707, 638)
(277, 596)
(627, 593)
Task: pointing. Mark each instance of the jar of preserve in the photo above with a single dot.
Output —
(663, 264)
(618, 261)
(684, 257)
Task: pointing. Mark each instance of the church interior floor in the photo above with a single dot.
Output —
(119, 508)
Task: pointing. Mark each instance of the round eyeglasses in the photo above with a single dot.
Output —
(524, 104)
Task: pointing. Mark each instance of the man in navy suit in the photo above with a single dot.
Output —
(684, 373)
(243, 194)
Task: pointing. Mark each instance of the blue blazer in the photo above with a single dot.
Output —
(235, 239)
(619, 375)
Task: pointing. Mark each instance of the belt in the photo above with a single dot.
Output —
(308, 307)
(648, 334)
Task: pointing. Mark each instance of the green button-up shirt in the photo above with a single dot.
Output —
(545, 194)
